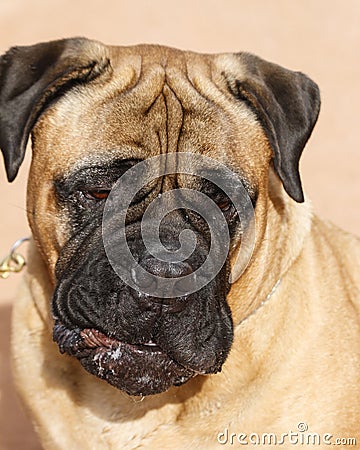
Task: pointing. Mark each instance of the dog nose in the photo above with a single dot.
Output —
(153, 268)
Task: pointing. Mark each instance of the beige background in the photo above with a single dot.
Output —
(318, 37)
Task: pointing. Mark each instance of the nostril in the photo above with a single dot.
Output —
(142, 278)
(162, 279)
(166, 269)
(185, 284)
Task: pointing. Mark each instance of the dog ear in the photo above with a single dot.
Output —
(33, 76)
(287, 104)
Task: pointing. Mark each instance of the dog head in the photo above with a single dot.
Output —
(96, 113)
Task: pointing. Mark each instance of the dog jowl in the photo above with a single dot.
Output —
(97, 112)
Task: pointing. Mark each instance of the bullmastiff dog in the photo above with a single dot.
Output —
(268, 355)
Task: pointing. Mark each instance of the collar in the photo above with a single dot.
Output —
(266, 299)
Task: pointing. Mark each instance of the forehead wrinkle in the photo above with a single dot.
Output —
(189, 97)
(170, 118)
(146, 91)
(174, 118)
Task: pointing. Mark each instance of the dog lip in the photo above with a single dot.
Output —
(138, 369)
(93, 339)
(78, 342)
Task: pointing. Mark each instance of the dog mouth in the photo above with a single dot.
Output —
(138, 369)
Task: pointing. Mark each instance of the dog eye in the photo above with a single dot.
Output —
(223, 202)
(225, 205)
(96, 194)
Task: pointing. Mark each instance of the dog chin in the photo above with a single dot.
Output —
(143, 369)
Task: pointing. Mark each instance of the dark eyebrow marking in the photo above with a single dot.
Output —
(100, 176)
(227, 182)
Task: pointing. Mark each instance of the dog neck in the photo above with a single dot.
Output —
(266, 299)
(296, 245)
(287, 225)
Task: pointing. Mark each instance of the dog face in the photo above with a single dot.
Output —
(97, 112)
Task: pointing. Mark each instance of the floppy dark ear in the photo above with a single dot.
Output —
(33, 76)
(287, 104)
